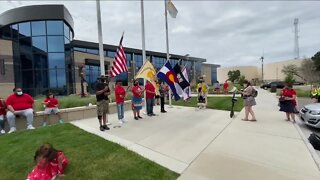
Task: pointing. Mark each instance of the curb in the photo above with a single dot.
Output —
(312, 151)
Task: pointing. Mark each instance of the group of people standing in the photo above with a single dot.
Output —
(103, 92)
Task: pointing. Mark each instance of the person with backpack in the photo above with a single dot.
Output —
(249, 94)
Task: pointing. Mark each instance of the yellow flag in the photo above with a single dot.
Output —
(147, 72)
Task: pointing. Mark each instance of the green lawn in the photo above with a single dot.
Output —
(90, 157)
(74, 101)
(219, 103)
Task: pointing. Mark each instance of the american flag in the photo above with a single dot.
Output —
(120, 61)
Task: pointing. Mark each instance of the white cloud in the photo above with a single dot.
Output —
(226, 33)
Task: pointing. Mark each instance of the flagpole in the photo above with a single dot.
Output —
(101, 53)
(167, 42)
(143, 46)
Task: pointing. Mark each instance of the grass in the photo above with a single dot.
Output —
(74, 101)
(219, 103)
(90, 156)
(300, 92)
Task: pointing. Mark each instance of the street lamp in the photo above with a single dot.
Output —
(262, 67)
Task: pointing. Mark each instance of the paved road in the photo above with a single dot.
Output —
(307, 130)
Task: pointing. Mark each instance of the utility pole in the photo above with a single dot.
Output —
(262, 58)
(296, 38)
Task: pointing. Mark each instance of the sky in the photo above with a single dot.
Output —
(228, 33)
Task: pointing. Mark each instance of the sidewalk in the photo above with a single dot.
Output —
(207, 144)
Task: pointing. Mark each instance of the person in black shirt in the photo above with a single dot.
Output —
(102, 93)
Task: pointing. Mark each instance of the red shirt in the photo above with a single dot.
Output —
(136, 91)
(150, 87)
(289, 93)
(22, 102)
(52, 102)
(120, 93)
(225, 85)
(2, 108)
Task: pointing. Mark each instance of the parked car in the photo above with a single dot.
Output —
(298, 83)
(310, 114)
(279, 84)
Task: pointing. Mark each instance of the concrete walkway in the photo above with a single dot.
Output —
(207, 144)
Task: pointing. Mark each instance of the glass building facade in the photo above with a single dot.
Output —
(42, 56)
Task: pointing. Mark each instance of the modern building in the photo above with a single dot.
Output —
(271, 71)
(39, 54)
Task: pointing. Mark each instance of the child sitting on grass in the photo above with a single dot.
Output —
(50, 163)
(51, 106)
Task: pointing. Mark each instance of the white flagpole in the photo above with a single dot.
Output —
(101, 53)
(167, 41)
(143, 47)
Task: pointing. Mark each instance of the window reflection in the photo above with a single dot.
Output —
(39, 44)
(66, 31)
(56, 60)
(38, 28)
(54, 27)
(57, 78)
(92, 73)
(24, 29)
(55, 44)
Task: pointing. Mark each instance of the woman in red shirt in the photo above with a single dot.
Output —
(225, 87)
(120, 93)
(288, 102)
(136, 99)
(51, 106)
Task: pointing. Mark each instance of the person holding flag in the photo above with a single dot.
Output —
(150, 94)
(168, 75)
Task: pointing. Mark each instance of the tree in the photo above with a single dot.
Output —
(316, 60)
(292, 70)
(234, 75)
(309, 72)
(242, 79)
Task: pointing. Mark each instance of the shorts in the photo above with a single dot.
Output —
(54, 110)
(102, 107)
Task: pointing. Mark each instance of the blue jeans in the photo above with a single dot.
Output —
(150, 103)
(120, 109)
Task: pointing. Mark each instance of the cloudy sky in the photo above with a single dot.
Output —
(226, 33)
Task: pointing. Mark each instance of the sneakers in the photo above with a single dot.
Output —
(2, 131)
(120, 121)
(108, 124)
(13, 129)
(30, 127)
(124, 121)
(106, 127)
(61, 121)
(139, 117)
(163, 111)
(44, 124)
(136, 118)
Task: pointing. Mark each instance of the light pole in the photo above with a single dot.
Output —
(262, 68)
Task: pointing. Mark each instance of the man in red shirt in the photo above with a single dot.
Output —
(120, 93)
(150, 93)
(21, 104)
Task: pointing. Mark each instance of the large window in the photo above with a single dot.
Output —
(42, 57)
(55, 28)
(38, 28)
(55, 44)
(25, 29)
(92, 74)
(138, 60)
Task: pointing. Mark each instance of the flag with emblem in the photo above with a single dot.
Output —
(167, 74)
(147, 72)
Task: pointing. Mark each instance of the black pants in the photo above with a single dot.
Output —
(162, 103)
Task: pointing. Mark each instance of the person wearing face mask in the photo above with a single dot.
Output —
(102, 93)
(22, 104)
